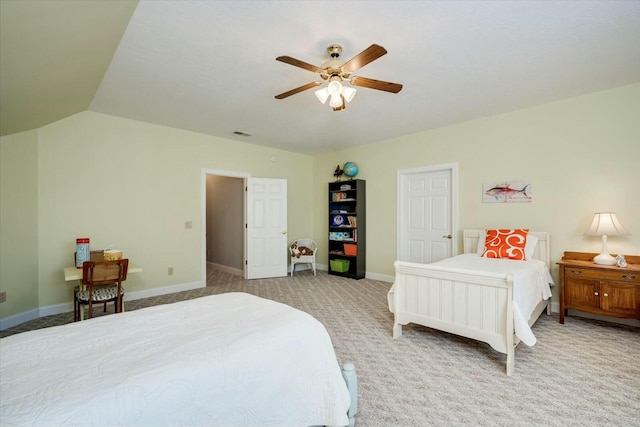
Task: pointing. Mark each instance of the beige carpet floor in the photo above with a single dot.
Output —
(582, 373)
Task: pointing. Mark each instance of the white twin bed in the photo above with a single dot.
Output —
(490, 300)
(224, 360)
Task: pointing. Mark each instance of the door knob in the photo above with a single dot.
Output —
(448, 236)
(284, 232)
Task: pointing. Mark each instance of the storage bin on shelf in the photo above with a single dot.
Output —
(339, 265)
(350, 249)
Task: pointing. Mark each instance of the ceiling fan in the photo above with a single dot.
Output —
(336, 71)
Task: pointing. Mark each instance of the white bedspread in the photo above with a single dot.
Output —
(531, 284)
(225, 360)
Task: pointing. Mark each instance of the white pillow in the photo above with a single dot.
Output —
(529, 247)
(481, 241)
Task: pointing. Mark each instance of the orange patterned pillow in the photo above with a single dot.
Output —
(506, 243)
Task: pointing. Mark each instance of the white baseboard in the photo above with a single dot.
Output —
(302, 267)
(17, 319)
(380, 277)
(130, 296)
(367, 274)
(227, 269)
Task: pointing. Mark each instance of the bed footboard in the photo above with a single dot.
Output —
(475, 305)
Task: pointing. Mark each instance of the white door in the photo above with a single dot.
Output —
(266, 241)
(427, 228)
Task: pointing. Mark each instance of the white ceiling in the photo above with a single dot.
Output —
(209, 66)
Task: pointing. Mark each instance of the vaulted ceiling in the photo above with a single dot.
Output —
(209, 66)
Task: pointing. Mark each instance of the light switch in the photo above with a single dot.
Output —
(188, 225)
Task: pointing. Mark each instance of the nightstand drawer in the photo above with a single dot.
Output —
(587, 273)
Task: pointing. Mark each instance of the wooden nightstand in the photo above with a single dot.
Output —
(599, 289)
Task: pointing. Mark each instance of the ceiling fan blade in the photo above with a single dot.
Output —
(370, 54)
(298, 90)
(376, 84)
(297, 63)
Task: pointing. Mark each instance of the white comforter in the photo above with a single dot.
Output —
(531, 284)
(225, 360)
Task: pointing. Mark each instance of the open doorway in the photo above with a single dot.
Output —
(223, 219)
(253, 248)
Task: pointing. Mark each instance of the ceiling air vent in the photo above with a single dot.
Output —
(241, 133)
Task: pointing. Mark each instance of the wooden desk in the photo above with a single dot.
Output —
(73, 273)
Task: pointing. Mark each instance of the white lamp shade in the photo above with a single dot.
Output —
(348, 93)
(336, 101)
(322, 94)
(335, 88)
(606, 224)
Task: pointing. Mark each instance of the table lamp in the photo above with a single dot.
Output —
(605, 224)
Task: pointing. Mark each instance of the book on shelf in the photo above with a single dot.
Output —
(341, 197)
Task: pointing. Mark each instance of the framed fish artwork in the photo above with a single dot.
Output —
(507, 192)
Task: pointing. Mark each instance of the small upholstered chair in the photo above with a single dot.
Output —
(102, 283)
(303, 251)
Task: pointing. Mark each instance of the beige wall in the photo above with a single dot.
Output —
(133, 185)
(582, 155)
(128, 185)
(19, 222)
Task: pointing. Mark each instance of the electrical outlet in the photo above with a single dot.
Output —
(3, 297)
(170, 271)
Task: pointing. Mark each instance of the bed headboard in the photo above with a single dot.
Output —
(542, 248)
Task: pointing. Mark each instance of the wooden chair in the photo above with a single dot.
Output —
(97, 255)
(98, 278)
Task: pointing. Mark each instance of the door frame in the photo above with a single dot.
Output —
(203, 212)
(402, 174)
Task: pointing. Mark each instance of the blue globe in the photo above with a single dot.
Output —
(350, 169)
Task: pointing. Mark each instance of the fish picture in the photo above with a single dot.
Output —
(507, 192)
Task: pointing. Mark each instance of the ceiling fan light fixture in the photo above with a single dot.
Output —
(334, 88)
(322, 95)
(348, 93)
(336, 71)
(336, 101)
